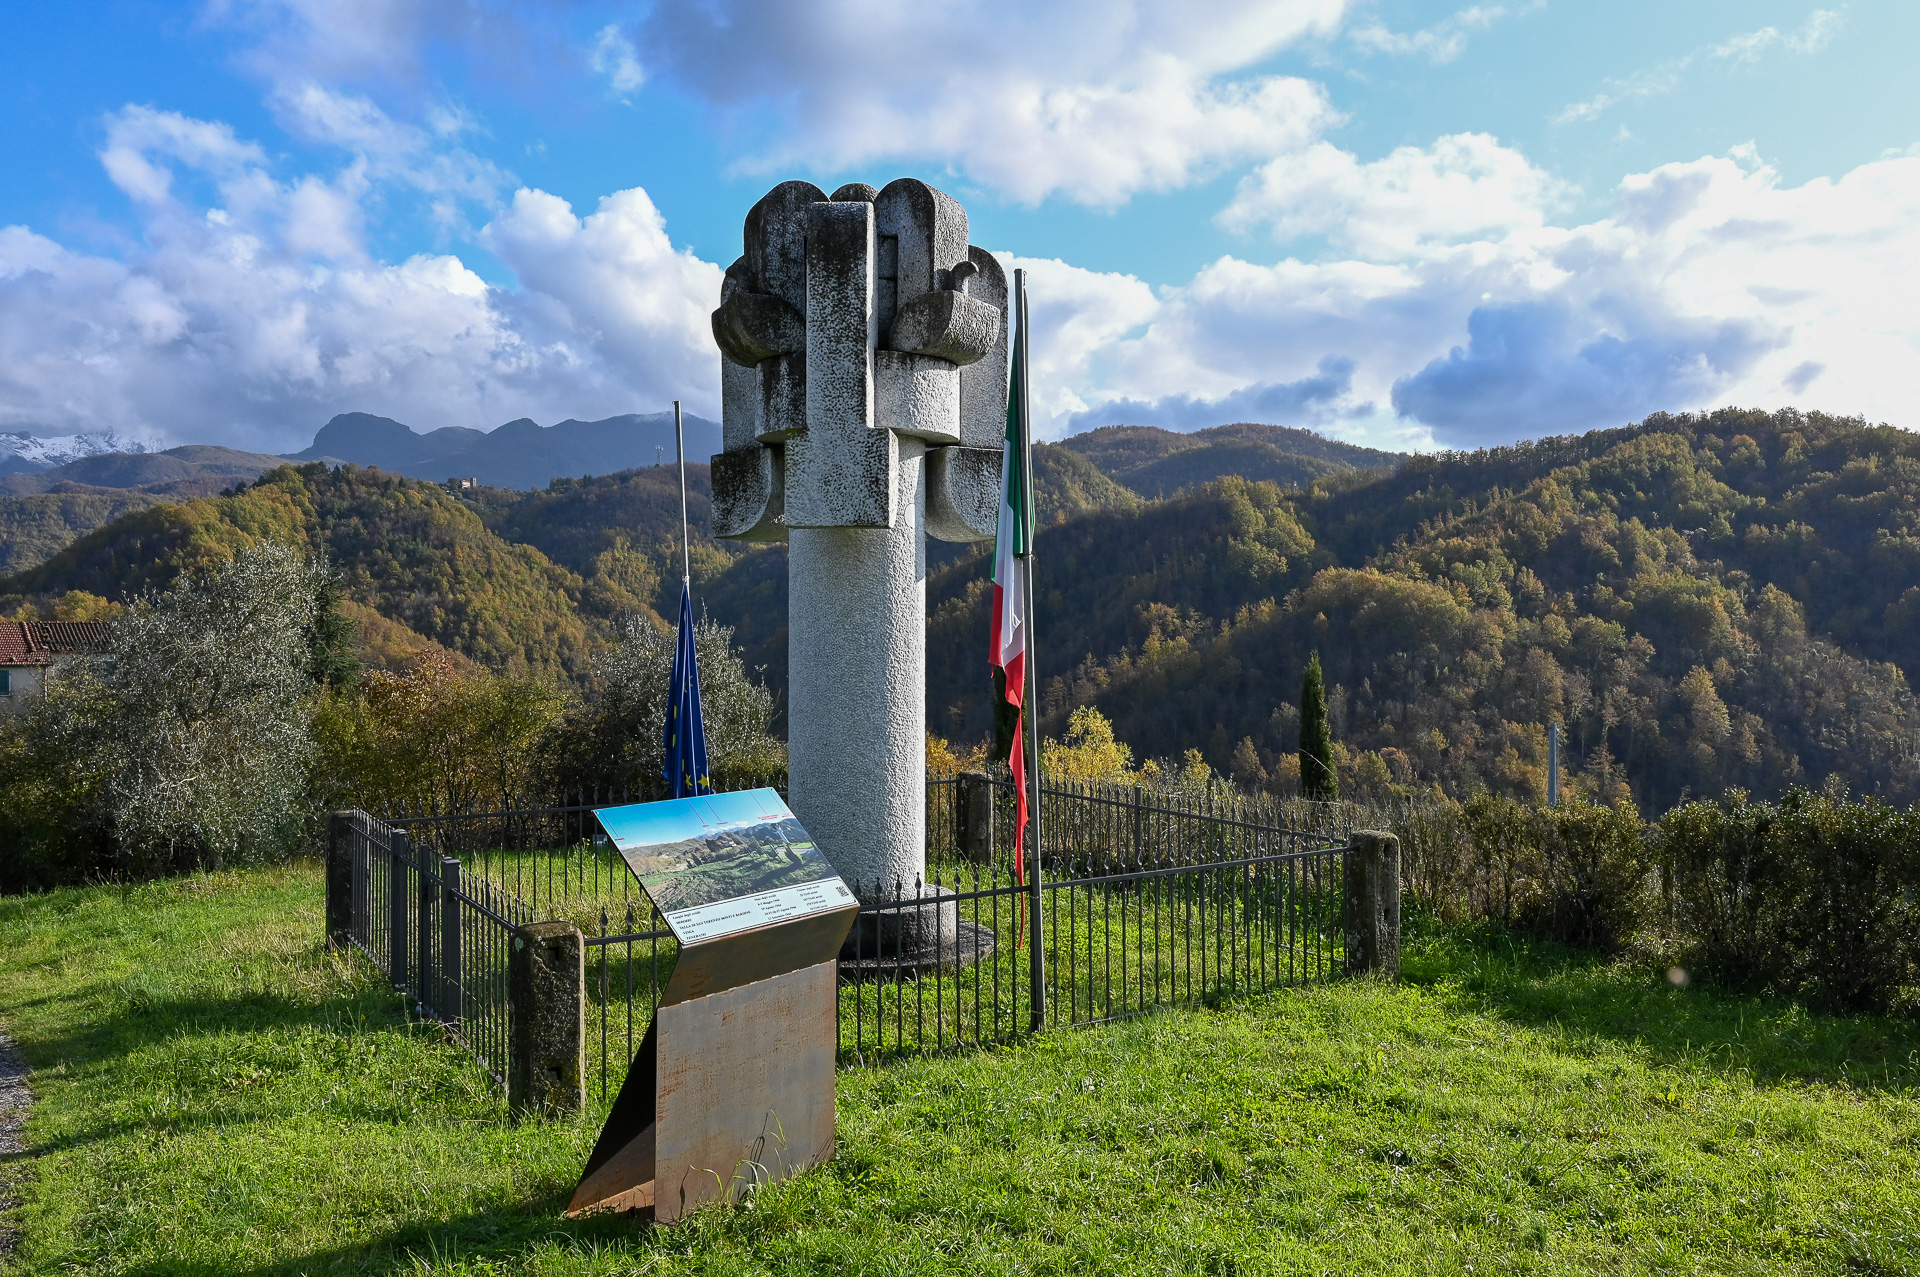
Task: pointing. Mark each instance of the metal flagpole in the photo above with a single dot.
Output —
(1037, 973)
(680, 450)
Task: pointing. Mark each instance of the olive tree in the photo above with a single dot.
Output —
(618, 738)
(196, 734)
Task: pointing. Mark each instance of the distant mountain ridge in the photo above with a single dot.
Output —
(1153, 462)
(520, 454)
(184, 471)
(43, 507)
(22, 451)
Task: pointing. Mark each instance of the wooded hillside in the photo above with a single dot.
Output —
(1705, 602)
(1727, 600)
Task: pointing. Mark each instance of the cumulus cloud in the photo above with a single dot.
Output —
(1318, 400)
(1427, 298)
(1081, 321)
(1711, 282)
(1538, 368)
(253, 315)
(1093, 100)
(1464, 186)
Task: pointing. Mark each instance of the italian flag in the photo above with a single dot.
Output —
(1013, 539)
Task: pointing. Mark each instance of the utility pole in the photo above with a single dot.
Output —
(1553, 764)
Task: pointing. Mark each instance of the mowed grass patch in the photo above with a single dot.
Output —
(219, 1095)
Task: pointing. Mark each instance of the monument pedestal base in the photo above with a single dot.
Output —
(912, 935)
(970, 943)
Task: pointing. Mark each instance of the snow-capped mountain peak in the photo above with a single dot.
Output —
(22, 451)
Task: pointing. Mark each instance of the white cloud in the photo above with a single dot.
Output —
(613, 56)
(1093, 100)
(1081, 320)
(1090, 100)
(1670, 75)
(1438, 44)
(611, 292)
(251, 317)
(1464, 186)
(1711, 283)
(387, 150)
(1811, 38)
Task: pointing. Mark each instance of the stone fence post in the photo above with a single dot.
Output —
(973, 816)
(547, 1020)
(339, 880)
(1373, 904)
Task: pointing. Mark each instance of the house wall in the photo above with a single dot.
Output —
(29, 685)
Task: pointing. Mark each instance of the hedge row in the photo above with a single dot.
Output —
(1816, 894)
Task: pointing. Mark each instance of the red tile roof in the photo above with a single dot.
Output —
(41, 642)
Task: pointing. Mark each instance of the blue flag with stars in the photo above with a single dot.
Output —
(686, 737)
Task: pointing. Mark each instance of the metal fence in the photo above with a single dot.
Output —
(548, 852)
(440, 934)
(1145, 899)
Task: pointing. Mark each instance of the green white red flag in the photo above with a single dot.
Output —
(1013, 541)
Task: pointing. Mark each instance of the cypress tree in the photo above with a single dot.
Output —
(1317, 778)
(331, 661)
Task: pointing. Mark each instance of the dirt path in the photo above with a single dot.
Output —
(15, 1100)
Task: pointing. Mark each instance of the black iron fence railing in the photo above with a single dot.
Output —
(548, 852)
(1146, 899)
(441, 936)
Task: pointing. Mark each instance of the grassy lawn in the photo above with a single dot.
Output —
(218, 1095)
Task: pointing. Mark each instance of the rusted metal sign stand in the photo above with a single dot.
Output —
(733, 1086)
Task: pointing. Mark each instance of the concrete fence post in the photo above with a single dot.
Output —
(339, 879)
(973, 816)
(1373, 904)
(547, 1020)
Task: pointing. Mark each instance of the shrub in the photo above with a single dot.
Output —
(1578, 873)
(435, 736)
(1597, 874)
(1814, 894)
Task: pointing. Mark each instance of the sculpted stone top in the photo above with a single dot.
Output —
(849, 322)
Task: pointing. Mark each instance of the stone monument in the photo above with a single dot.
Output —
(864, 392)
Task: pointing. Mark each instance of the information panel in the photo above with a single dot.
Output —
(724, 863)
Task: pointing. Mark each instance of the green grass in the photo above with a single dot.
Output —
(218, 1095)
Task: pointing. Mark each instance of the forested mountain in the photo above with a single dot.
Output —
(144, 471)
(520, 456)
(410, 551)
(1152, 462)
(35, 528)
(44, 511)
(1703, 601)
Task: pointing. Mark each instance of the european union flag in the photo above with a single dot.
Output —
(686, 738)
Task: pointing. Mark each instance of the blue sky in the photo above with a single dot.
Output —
(645, 825)
(1410, 224)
